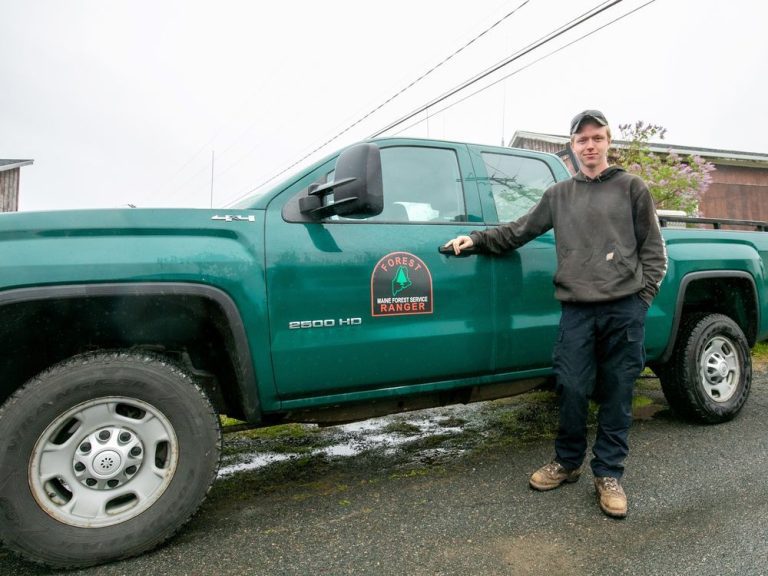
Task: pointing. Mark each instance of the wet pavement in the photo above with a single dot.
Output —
(444, 492)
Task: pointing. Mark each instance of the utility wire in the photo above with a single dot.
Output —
(514, 57)
(265, 80)
(528, 49)
(428, 72)
(547, 55)
(391, 98)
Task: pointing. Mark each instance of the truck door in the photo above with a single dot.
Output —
(510, 183)
(361, 305)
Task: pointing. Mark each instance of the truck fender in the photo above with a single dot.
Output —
(243, 364)
(705, 275)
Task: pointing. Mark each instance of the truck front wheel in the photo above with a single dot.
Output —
(709, 375)
(104, 456)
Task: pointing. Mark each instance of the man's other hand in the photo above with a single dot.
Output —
(460, 243)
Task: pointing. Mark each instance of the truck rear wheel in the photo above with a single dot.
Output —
(106, 456)
(709, 375)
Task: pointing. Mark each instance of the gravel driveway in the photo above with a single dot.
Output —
(445, 492)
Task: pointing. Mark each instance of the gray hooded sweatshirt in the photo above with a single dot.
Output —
(607, 234)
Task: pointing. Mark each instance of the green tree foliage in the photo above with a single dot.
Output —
(675, 182)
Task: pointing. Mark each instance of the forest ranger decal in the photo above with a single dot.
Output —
(401, 284)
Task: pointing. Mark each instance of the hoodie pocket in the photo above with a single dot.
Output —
(572, 262)
(626, 260)
(620, 270)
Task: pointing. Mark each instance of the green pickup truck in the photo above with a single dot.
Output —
(326, 299)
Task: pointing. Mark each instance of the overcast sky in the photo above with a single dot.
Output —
(124, 102)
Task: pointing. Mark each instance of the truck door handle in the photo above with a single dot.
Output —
(448, 251)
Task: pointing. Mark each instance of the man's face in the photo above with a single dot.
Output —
(590, 144)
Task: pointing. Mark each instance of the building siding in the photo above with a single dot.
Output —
(737, 192)
(9, 190)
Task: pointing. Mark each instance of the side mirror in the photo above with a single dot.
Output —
(357, 186)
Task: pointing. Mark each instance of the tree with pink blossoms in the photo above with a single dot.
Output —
(675, 182)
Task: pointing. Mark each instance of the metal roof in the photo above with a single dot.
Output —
(712, 154)
(11, 164)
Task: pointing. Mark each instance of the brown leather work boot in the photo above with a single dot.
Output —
(613, 501)
(553, 475)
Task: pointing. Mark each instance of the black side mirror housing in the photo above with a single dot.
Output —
(357, 186)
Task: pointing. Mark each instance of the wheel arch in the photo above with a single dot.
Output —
(729, 292)
(198, 324)
(83, 493)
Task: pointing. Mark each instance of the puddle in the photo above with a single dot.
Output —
(385, 435)
(414, 437)
(253, 462)
(341, 450)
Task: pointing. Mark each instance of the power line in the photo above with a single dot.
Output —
(519, 54)
(427, 73)
(192, 159)
(391, 98)
(188, 162)
(265, 76)
(547, 55)
(516, 56)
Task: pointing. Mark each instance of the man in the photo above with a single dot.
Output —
(611, 260)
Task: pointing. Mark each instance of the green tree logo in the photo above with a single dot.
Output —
(400, 281)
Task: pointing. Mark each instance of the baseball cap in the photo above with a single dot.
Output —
(595, 115)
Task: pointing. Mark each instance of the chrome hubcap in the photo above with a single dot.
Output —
(108, 458)
(719, 369)
(103, 462)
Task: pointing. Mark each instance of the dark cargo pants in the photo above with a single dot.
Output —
(599, 354)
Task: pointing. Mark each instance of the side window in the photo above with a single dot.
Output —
(421, 185)
(517, 183)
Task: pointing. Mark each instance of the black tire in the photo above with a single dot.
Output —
(75, 486)
(709, 375)
(674, 394)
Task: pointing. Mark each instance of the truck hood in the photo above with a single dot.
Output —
(129, 245)
(120, 221)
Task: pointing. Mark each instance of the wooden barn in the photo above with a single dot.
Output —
(739, 188)
(9, 183)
